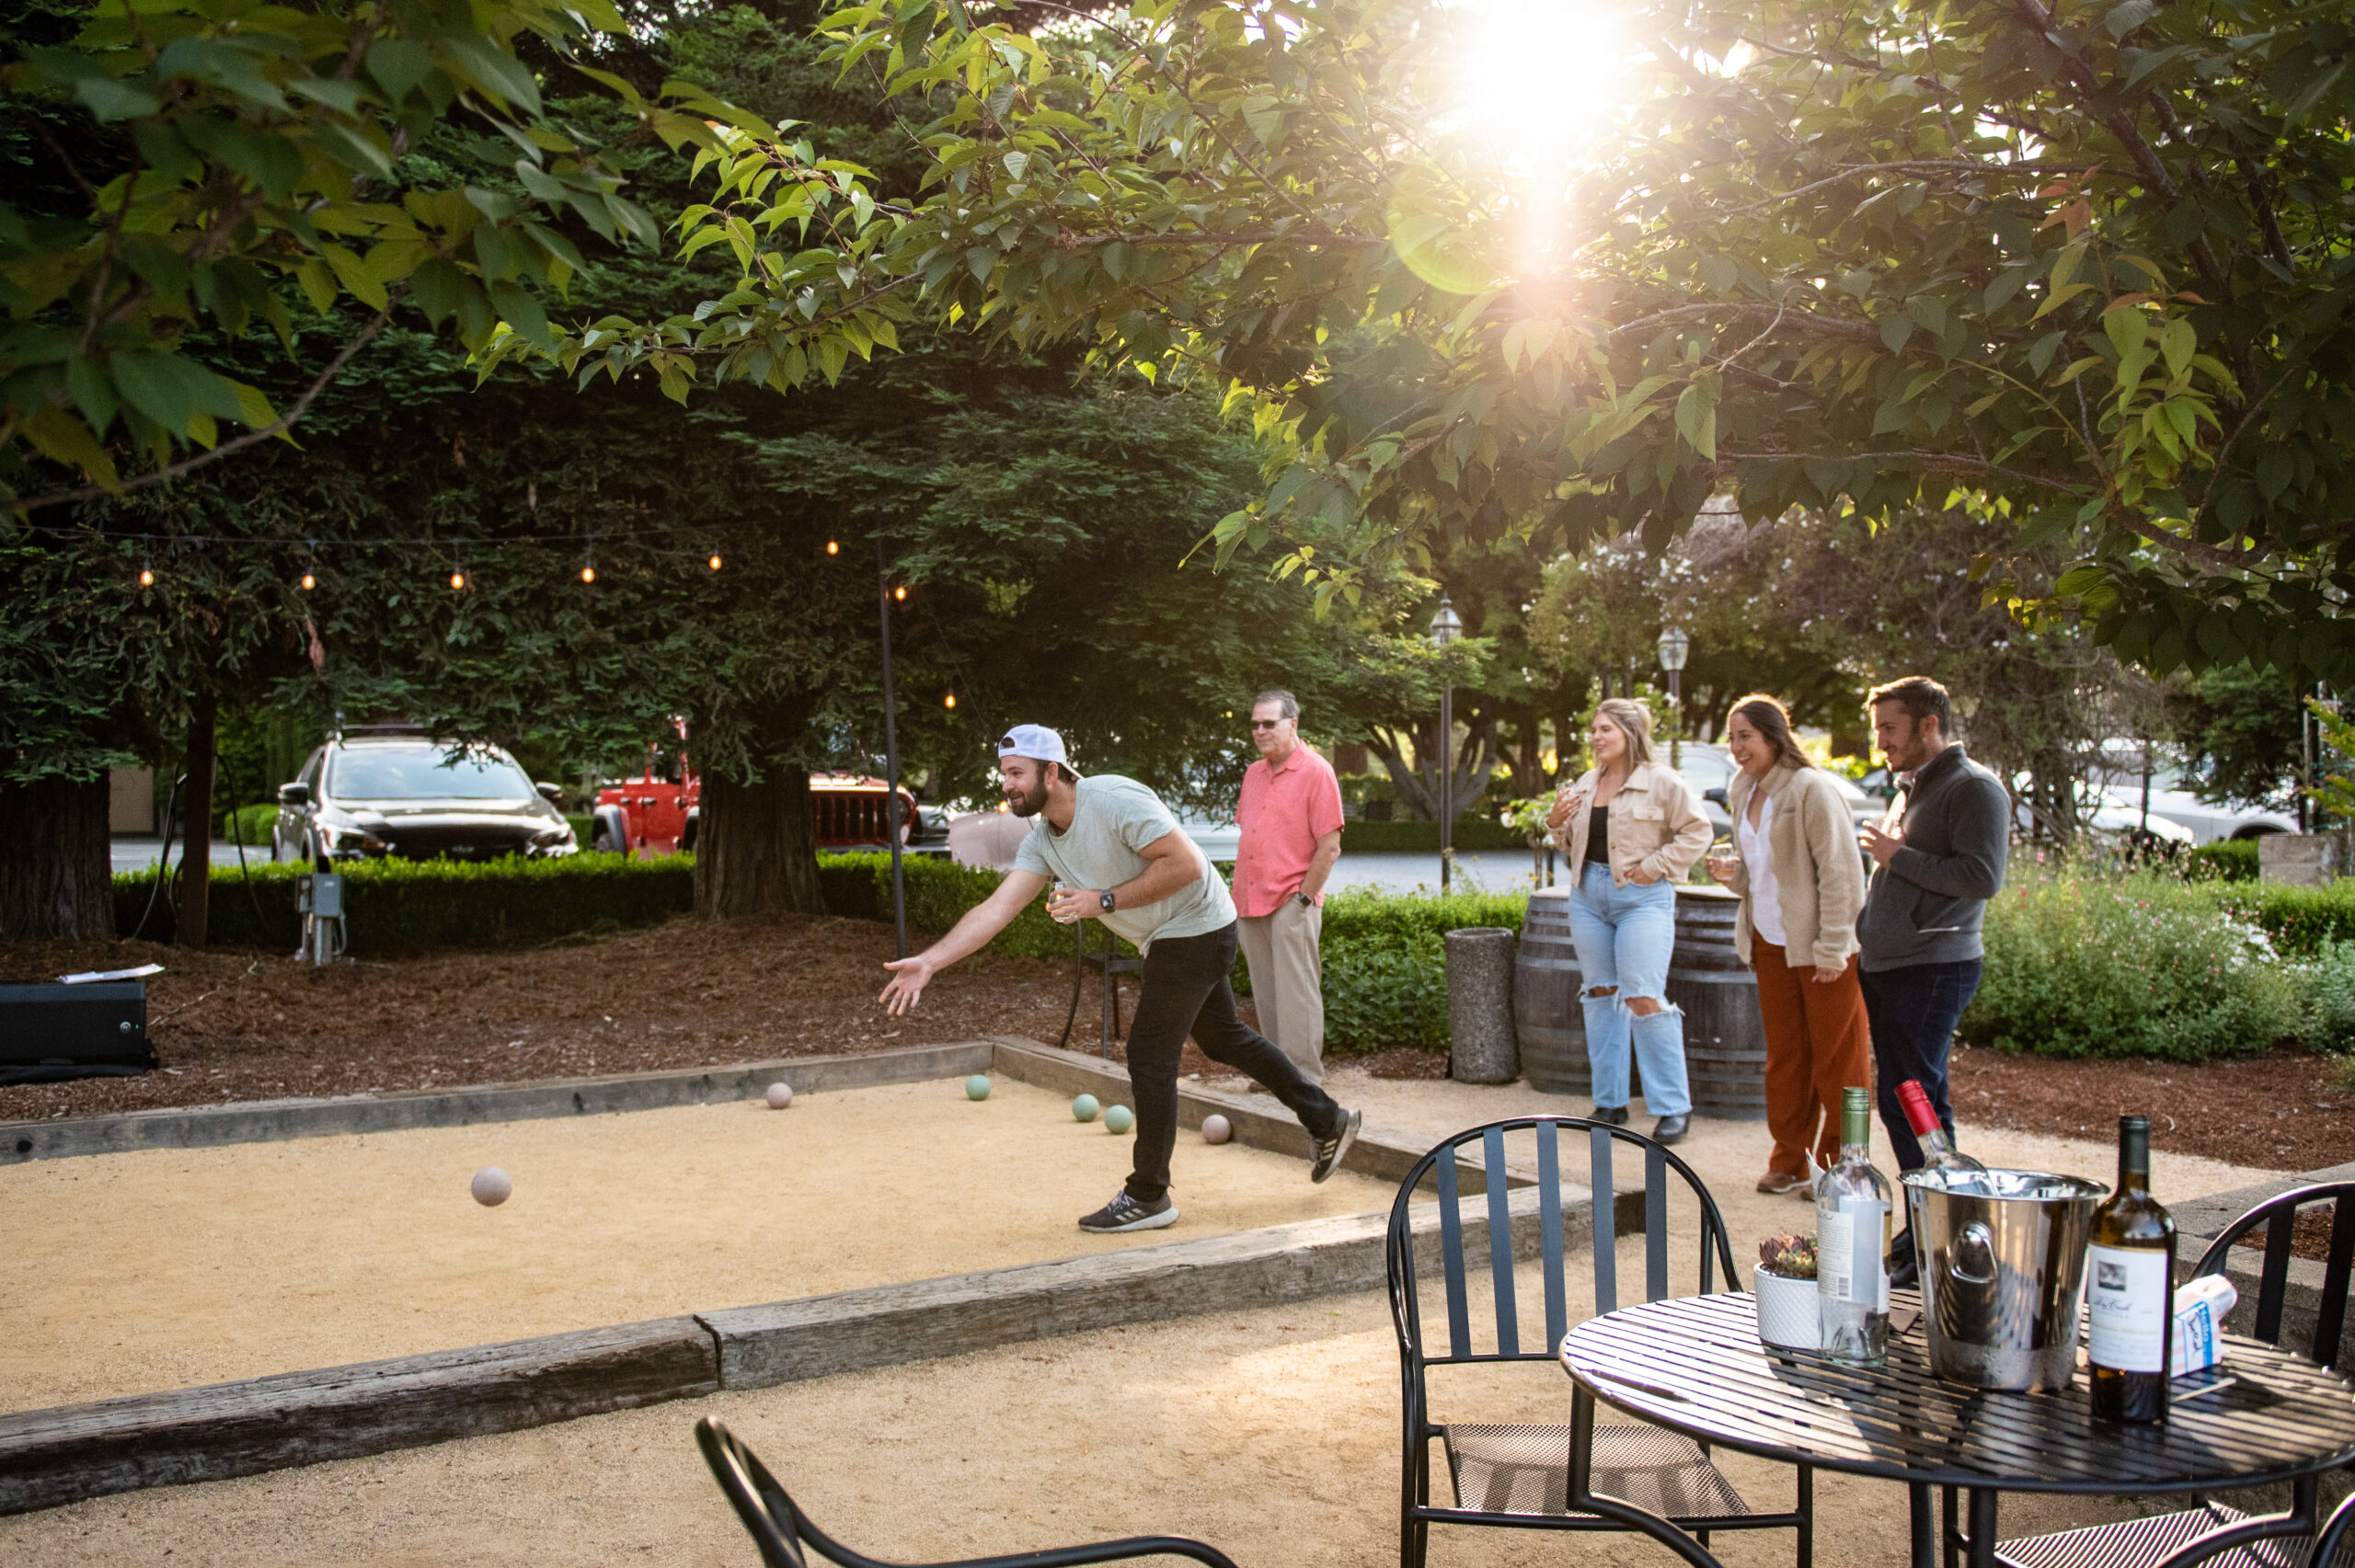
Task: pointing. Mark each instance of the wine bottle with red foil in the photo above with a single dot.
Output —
(2129, 1289)
(1959, 1172)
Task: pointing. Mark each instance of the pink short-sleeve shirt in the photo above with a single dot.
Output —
(1284, 810)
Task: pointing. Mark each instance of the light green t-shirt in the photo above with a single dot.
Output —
(1116, 819)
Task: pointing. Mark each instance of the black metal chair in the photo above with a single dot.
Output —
(2228, 1537)
(786, 1536)
(1520, 1476)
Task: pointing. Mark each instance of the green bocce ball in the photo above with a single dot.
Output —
(1119, 1119)
(1084, 1109)
(978, 1086)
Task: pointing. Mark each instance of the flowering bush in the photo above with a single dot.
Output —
(2138, 965)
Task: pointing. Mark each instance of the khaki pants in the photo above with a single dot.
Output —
(1287, 982)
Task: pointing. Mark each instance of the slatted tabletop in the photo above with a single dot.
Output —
(1695, 1365)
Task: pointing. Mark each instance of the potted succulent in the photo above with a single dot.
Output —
(1785, 1282)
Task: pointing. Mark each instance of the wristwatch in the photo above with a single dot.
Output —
(1105, 898)
(1305, 901)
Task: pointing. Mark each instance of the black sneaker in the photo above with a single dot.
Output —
(1330, 1149)
(1125, 1213)
(1609, 1115)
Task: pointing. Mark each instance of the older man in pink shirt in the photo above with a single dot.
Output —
(1291, 822)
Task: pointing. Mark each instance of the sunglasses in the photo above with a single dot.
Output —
(1266, 723)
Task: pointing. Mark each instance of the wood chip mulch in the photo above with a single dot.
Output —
(2281, 1111)
(240, 1024)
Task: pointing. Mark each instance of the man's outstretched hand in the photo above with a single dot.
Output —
(909, 976)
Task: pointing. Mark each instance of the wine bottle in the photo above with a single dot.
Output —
(2130, 1289)
(1959, 1171)
(1850, 1214)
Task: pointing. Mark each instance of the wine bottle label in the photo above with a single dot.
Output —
(2126, 1308)
(1848, 1261)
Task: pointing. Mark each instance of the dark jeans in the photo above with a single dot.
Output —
(1186, 990)
(1913, 1012)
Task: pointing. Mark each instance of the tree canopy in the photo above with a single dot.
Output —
(2084, 267)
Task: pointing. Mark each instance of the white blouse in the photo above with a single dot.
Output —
(1758, 863)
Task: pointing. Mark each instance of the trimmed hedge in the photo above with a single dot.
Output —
(2301, 920)
(1422, 838)
(2227, 860)
(390, 905)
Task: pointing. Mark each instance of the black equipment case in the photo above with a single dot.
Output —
(54, 1031)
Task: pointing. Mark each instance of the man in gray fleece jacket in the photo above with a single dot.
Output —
(1933, 871)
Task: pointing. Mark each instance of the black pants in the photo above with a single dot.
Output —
(1913, 1012)
(1186, 990)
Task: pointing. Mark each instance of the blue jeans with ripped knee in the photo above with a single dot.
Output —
(1624, 936)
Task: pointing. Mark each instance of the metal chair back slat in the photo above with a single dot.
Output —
(2330, 1320)
(1549, 1216)
(1656, 1223)
(1451, 1242)
(2274, 1289)
(1607, 1221)
(1492, 1151)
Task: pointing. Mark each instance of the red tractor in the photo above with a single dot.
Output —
(651, 816)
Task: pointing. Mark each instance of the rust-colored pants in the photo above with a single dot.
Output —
(1817, 1044)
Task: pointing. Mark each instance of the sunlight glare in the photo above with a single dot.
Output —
(1538, 73)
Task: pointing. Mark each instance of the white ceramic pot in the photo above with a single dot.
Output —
(1788, 1316)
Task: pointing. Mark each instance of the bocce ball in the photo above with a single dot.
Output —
(978, 1086)
(1216, 1129)
(1119, 1119)
(780, 1096)
(492, 1186)
(1084, 1108)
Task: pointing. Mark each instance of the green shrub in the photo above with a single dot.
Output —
(251, 823)
(2139, 965)
(2227, 860)
(1386, 964)
(391, 905)
(1422, 838)
(2301, 920)
(2327, 982)
(939, 891)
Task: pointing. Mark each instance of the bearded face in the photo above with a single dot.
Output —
(1022, 781)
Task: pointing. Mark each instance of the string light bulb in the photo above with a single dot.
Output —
(900, 593)
(309, 582)
(833, 548)
(589, 570)
(951, 700)
(457, 581)
(714, 562)
(146, 575)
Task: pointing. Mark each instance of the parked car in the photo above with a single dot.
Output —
(392, 790)
(654, 815)
(2172, 798)
(1709, 768)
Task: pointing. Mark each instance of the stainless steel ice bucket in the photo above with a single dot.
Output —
(2002, 1262)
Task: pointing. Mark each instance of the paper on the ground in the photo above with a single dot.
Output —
(88, 976)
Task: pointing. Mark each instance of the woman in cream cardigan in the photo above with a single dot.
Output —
(1632, 829)
(1801, 878)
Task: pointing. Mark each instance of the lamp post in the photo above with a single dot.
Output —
(890, 757)
(1446, 627)
(1673, 646)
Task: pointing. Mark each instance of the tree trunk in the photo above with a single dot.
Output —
(56, 879)
(192, 893)
(755, 847)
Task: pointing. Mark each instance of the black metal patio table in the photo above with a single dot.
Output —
(1695, 1365)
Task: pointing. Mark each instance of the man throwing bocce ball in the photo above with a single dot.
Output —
(1118, 857)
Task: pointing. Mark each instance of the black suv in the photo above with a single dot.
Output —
(363, 795)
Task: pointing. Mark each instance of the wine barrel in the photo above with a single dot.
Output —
(1545, 1011)
(1725, 1039)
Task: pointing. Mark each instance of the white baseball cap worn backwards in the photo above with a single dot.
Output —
(1035, 741)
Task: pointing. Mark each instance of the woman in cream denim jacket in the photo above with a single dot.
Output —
(1622, 910)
